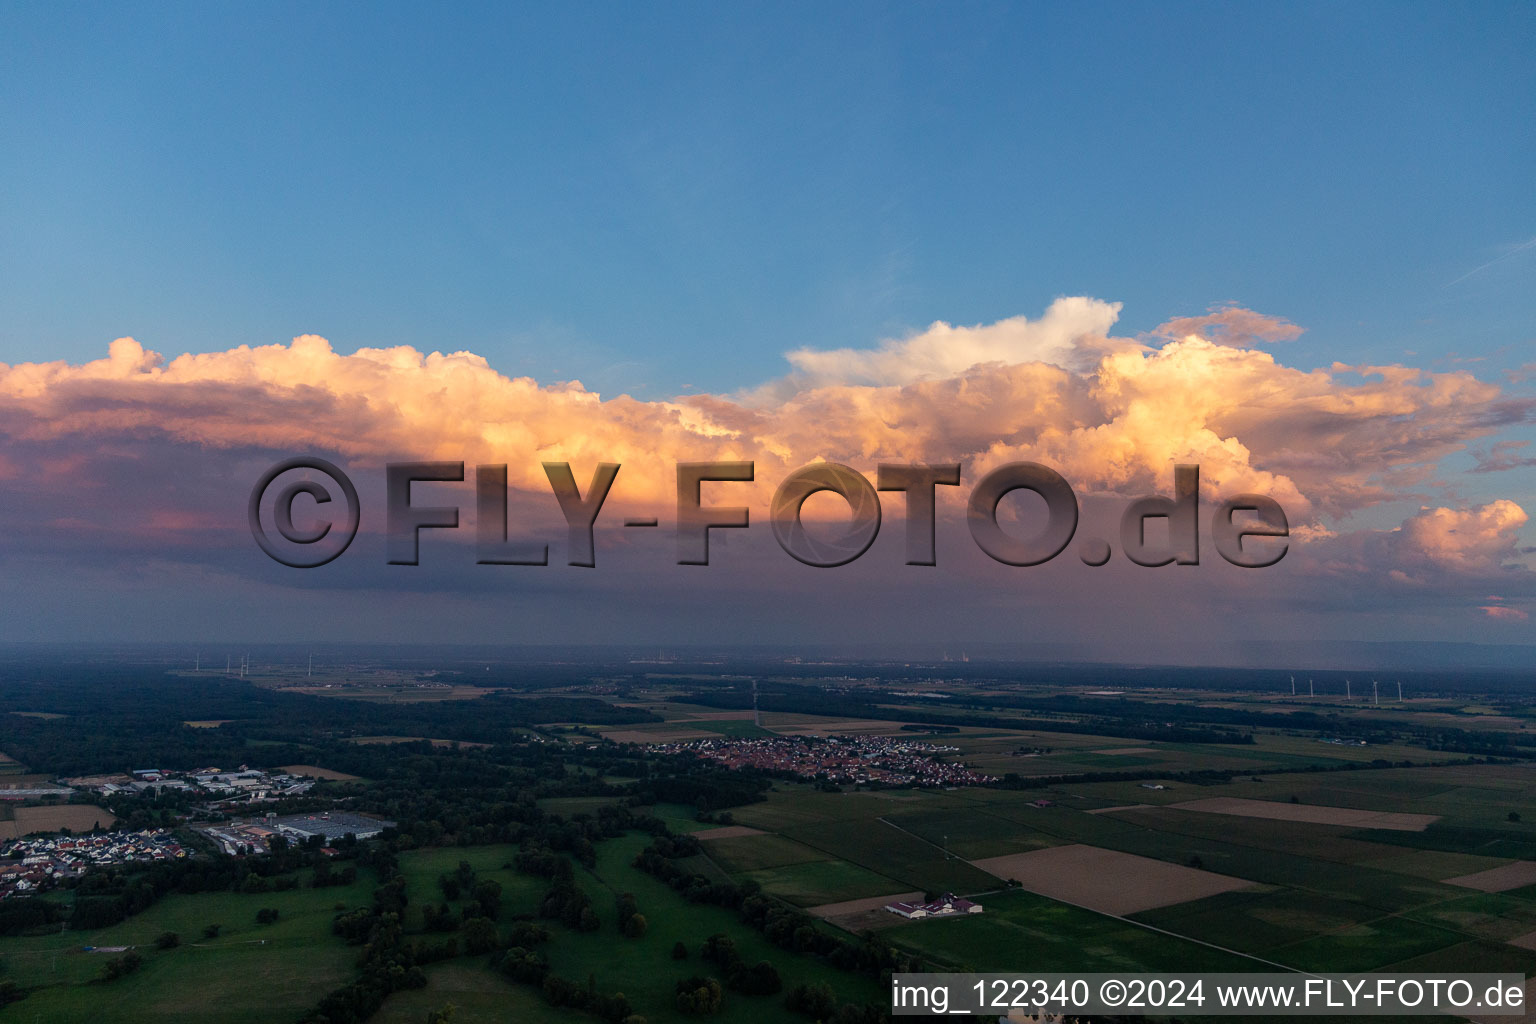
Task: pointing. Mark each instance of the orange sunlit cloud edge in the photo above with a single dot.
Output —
(1112, 414)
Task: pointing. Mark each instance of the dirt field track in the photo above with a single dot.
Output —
(1108, 880)
(1396, 821)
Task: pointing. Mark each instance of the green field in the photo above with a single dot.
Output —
(1020, 931)
(255, 973)
(826, 881)
(478, 994)
(752, 853)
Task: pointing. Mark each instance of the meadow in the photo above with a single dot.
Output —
(249, 972)
(642, 968)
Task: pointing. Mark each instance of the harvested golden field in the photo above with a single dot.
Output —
(316, 772)
(1107, 880)
(1515, 875)
(75, 817)
(1396, 821)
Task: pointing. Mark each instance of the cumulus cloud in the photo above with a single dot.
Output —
(1466, 539)
(1070, 329)
(1113, 415)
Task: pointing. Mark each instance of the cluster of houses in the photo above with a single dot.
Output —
(886, 760)
(225, 789)
(37, 863)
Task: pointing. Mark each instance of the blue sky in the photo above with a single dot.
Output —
(664, 201)
(661, 200)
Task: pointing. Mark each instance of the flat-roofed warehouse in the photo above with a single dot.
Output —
(331, 825)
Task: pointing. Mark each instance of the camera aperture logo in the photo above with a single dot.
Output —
(1256, 518)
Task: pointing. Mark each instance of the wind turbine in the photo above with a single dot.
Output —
(1375, 696)
(1347, 694)
(1293, 686)
(1310, 691)
(1399, 690)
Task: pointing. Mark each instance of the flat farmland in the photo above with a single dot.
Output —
(1458, 794)
(252, 973)
(75, 817)
(1475, 955)
(1320, 842)
(887, 850)
(1259, 920)
(1362, 871)
(1387, 891)
(1500, 879)
(822, 725)
(1367, 946)
(792, 804)
(1398, 821)
(757, 851)
(728, 832)
(1108, 881)
(316, 772)
(1309, 749)
(1021, 931)
(1436, 864)
(661, 732)
(1496, 916)
(812, 883)
(972, 834)
(866, 830)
